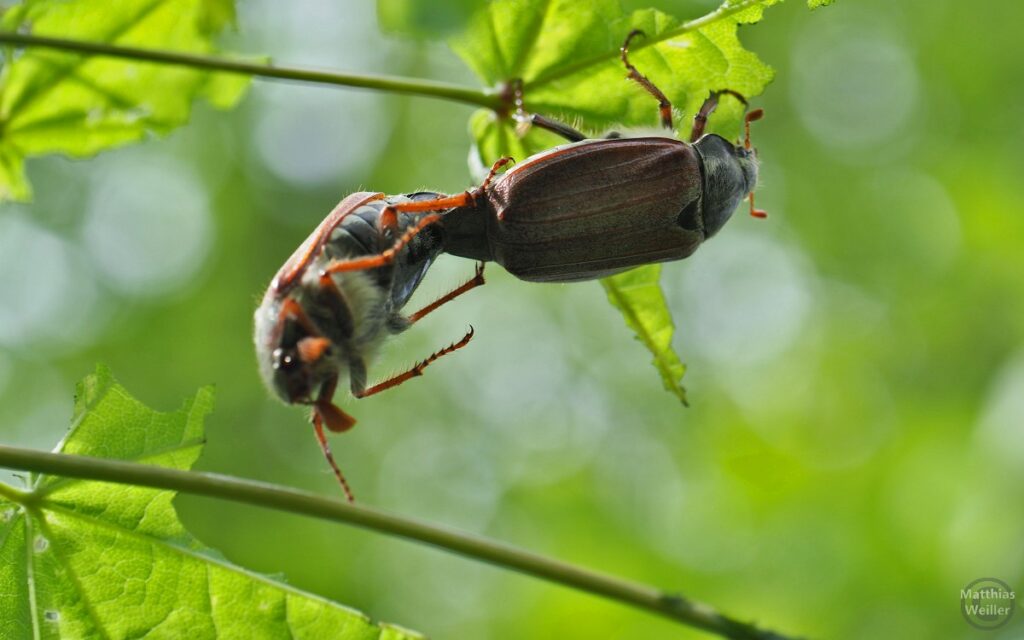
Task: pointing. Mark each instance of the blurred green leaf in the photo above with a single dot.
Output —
(84, 559)
(814, 4)
(56, 102)
(566, 54)
(637, 294)
(420, 19)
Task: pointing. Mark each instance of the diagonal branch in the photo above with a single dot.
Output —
(414, 86)
(673, 606)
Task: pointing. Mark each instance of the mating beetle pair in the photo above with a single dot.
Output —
(581, 211)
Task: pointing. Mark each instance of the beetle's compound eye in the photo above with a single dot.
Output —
(284, 360)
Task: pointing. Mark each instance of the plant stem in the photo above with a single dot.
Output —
(414, 86)
(672, 606)
(725, 10)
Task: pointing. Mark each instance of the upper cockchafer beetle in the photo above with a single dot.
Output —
(340, 295)
(596, 207)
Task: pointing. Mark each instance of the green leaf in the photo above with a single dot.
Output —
(85, 559)
(814, 4)
(567, 55)
(58, 102)
(637, 294)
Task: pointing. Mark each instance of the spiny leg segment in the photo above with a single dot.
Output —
(664, 105)
(415, 370)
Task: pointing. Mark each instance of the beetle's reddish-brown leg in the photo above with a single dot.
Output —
(292, 309)
(383, 258)
(494, 171)
(415, 370)
(389, 217)
(472, 283)
(664, 106)
(318, 429)
(700, 120)
(338, 421)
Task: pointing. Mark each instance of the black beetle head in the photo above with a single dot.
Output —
(730, 173)
(293, 364)
(292, 379)
(299, 371)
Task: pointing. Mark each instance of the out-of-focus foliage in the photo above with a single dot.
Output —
(425, 20)
(637, 295)
(57, 102)
(85, 559)
(853, 455)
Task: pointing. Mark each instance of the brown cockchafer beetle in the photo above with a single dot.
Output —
(340, 295)
(584, 210)
(596, 207)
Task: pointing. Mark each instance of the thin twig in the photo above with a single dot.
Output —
(673, 606)
(414, 86)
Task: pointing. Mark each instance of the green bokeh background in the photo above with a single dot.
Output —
(854, 453)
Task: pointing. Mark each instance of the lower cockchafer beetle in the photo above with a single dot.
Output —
(340, 295)
(596, 207)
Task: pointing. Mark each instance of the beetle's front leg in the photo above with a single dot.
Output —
(664, 106)
(414, 371)
(389, 217)
(336, 420)
(700, 120)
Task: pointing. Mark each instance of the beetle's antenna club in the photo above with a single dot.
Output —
(755, 212)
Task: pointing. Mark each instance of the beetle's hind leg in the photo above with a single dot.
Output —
(664, 105)
(476, 281)
(415, 370)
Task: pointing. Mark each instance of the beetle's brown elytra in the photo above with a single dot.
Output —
(595, 207)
